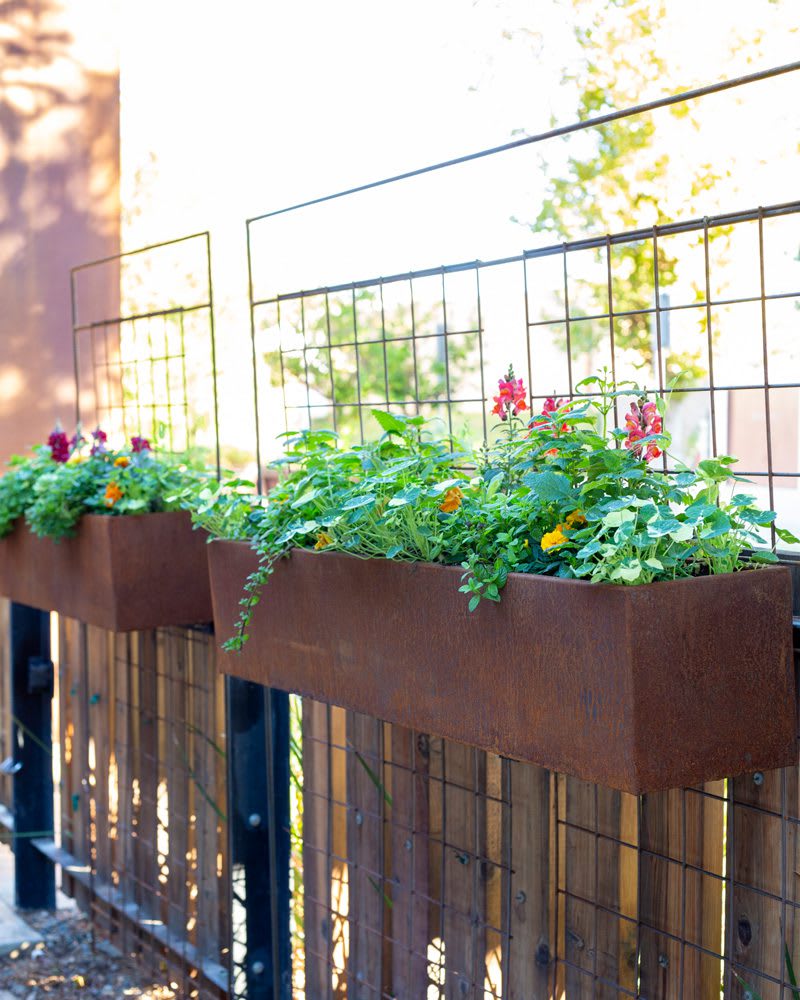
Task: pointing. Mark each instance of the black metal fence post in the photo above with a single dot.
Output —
(258, 810)
(31, 695)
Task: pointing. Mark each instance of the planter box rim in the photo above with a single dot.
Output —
(704, 579)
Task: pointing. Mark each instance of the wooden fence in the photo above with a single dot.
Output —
(429, 869)
(142, 796)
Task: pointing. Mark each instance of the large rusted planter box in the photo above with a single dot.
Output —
(638, 688)
(120, 573)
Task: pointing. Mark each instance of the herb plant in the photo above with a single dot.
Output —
(69, 477)
(559, 493)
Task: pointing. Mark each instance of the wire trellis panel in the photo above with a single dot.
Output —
(151, 368)
(434, 870)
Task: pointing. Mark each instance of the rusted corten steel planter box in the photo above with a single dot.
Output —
(638, 688)
(120, 573)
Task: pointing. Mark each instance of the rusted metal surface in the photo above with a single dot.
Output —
(120, 573)
(638, 688)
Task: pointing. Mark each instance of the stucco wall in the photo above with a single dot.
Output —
(59, 196)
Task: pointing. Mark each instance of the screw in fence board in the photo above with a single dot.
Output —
(593, 931)
(680, 906)
(207, 757)
(410, 862)
(259, 825)
(73, 807)
(317, 921)
(148, 766)
(181, 862)
(124, 721)
(531, 948)
(99, 651)
(761, 851)
(35, 886)
(463, 896)
(366, 792)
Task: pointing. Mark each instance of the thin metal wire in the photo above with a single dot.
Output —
(589, 123)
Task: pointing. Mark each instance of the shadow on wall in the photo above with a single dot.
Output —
(59, 198)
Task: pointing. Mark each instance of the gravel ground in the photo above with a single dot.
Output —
(66, 967)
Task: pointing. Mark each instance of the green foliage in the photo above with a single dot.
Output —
(560, 495)
(52, 495)
(620, 178)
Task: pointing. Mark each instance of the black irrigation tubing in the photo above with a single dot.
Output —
(529, 140)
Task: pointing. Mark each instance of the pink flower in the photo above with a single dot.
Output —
(511, 400)
(641, 421)
(139, 444)
(99, 439)
(59, 444)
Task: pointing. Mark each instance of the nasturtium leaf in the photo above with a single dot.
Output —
(354, 502)
(786, 536)
(716, 525)
(763, 556)
(395, 550)
(628, 571)
(615, 518)
(682, 533)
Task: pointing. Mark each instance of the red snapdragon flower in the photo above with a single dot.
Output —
(642, 420)
(59, 444)
(551, 404)
(511, 400)
(139, 444)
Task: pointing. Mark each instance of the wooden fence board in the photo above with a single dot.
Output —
(365, 803)
(316, 860)
(410, 863)
(464, 836)
(763, 847)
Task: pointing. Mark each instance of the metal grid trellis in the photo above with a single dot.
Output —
(454, 873)
(150, 367)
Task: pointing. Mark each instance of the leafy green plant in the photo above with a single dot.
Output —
(560, 494)
(67, 478)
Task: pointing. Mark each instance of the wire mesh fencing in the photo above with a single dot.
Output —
(143, 797)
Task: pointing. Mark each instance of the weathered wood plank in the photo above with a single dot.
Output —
(365, 803)
(759, 848)
(410, 863)
(316, 860)
(529, 969)
(464, 902)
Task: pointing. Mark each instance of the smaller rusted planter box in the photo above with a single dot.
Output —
(637, 688)
(120, 573)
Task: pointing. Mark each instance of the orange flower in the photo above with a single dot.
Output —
(576, 519)
(554, 538)
(122, 462)
(113, 493)
(323, 540)
(452, 500)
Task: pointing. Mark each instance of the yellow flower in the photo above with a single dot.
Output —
(122, 462)
(323, 540)
(113, 493)
(452, 500)
(576, 519)
(554, 538)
